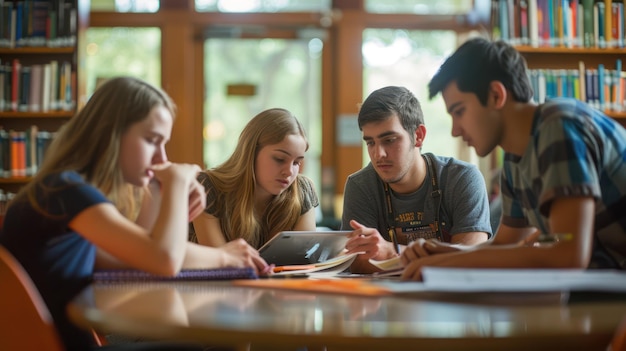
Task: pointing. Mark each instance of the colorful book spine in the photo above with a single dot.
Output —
(5, 154)
(43, 139)
(600, 14)
(564, 23)
(617, 86)
(21, 152)
(588, 24)
(582, 81)
(533, 26)
(15, 86)
(37, 23)
(608, 26)
(601, 87)
(524, 23)
(601, 90)
(37, 87)
(32, 166)
(24, 89)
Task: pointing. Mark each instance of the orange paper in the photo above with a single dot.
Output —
(343, 286)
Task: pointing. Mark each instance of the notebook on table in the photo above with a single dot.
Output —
(304, 247)
(122, 275)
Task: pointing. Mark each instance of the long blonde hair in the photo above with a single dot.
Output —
(89, 143)
(235, 182)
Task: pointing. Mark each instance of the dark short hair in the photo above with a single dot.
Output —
(384, 102)
(477, 63)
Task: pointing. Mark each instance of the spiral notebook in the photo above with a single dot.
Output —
(122, 275)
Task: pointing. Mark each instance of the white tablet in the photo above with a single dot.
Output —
(304, 247)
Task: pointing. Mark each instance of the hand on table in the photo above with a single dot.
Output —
(423, 248)
(239, 254)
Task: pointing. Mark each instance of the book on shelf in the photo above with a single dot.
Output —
(3, 97)
(533, 24)
(38, 23)
(588, 23)
(523, 23)
(127, 275)
(601, 87)
(14, 83)
(5, 154)
(18, 154)
(21, 152)
(618, 82)
(559, 23)
(23, 93)
(42, 87)
(35, 94)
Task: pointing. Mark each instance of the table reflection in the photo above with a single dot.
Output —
(210, 311)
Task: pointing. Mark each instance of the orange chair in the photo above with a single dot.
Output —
(26, 323)
(618, 343)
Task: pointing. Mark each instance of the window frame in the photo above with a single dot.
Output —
(342, 85)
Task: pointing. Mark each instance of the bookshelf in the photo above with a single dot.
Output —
(41, 85)
(573, 48)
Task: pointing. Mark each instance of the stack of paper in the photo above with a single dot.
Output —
(438, 279)
(542, 279)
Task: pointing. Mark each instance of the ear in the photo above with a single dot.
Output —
(497, 94)
(420, 135)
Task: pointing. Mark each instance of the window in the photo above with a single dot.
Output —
(274, 72)
(125, 5)
(410, 58)
(422, 7)
(262, 5)
(123, 51)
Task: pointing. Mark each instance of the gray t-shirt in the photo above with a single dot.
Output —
(464, 203)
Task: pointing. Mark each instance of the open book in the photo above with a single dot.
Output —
(393, 266)
(387, 265)
(334, 265)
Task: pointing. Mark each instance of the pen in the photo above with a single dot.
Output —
(550, 239)
(394, 239)
(300, 267)
(391, 229)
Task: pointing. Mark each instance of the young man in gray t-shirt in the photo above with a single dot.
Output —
(404, 195)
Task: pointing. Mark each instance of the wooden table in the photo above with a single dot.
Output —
(218, 313)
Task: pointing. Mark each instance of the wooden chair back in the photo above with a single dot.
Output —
(26, 323)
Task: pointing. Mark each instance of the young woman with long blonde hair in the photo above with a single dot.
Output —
(259, 190)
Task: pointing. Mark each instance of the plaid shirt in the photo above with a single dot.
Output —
(574, 150)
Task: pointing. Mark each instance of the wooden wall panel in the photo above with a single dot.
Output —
(178, 75)
(348, 89)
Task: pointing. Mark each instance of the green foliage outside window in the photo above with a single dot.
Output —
(123, 51)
